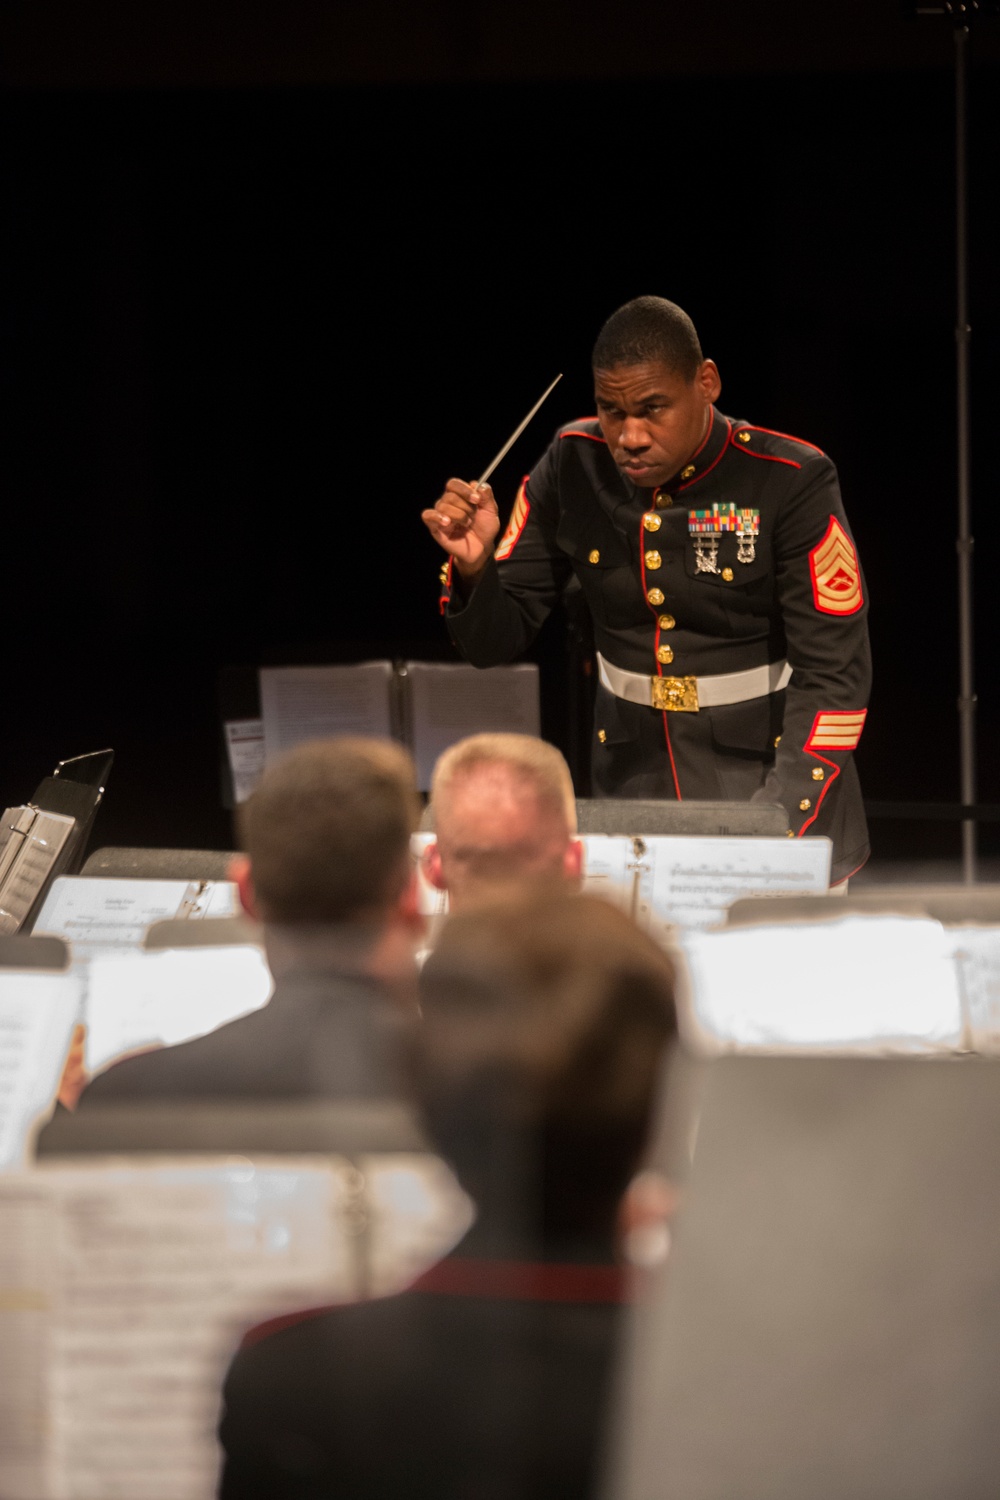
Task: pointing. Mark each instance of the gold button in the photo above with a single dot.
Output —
(818, 774)
(594, 557)
(664, 654)
(688, 472)
(653, 561)
(602, 735)
(666, 622)
(664, 501)
(655, 597)
(652, 521)
(727, 574)
(777, 742)
(805, 805)
(790, 834)
(744, 437)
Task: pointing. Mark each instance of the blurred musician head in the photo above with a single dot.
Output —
(545, 1023)
(504, 812)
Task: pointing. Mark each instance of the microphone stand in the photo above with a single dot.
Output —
(962, 14)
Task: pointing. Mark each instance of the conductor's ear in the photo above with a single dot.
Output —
(241, 875)
(708, 380)
(430, 862)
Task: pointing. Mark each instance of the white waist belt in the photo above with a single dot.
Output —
(688, 694)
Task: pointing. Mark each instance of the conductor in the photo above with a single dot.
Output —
(728, 603)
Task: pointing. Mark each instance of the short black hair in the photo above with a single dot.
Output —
(645, 329)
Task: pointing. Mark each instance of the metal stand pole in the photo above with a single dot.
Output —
(964, 544)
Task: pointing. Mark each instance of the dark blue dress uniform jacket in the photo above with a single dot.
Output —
(802, 598)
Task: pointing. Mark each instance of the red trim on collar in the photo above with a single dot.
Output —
(708, 433)
(725, 444)
(524, 1281)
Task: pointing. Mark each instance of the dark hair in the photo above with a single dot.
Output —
(327, 830)
(545, 1021)
(647, 329)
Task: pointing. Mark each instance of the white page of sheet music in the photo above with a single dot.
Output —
(609, 868)
(28, 1289)
(162, 1267)
(977, 956)
(97, 915)
(134, 1279)
(37, 1014)
(245, 749)
(449, 700)
(137, 1000)
(861, 983)
(418, 1212)
(695, 880)
(308, 703)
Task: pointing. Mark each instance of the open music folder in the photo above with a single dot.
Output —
(426, 706)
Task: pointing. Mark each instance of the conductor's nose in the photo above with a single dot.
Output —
(634, 436)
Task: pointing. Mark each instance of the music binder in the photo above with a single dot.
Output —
(47, 836)
(425, 706)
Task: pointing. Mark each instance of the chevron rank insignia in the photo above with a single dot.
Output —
(836, 577)
(836, 731)
(516, 524)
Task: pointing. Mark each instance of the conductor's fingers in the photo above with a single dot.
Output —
(440, 522)
(460, 487)
(484, 498)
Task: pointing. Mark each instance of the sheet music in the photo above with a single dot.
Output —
(97, 916)
(694, 880)
(864, 983)
(28, 1228)
(31, 842)
(160, 1269)
(418, 1213)
(308, 703)
(37, 1014)
(245, 750)
(610, 863)
(173, 995)
(977, 956)
(134, 1283)
(451, 700)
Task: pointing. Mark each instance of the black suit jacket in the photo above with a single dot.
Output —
(485, 1381)
(323, 1036)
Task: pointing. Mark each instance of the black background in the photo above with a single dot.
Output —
(269, 278)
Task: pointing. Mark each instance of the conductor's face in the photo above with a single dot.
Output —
(653, 418)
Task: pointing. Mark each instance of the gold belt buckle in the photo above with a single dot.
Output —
(677, 695)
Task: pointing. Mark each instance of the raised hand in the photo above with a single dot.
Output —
(464, 521)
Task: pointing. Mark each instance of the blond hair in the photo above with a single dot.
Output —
(531, 760)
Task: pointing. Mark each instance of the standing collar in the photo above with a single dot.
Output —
(702, 461)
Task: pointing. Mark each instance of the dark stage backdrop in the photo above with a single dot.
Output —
(248, 333)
